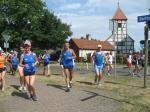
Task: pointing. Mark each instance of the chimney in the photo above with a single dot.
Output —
(88, 36)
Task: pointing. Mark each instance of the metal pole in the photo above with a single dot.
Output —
(146, 55)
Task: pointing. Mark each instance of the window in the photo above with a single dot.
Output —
(119, 25)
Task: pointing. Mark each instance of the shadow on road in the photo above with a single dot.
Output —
(85, 82)
(94, 94)
(20, 94)
(57, 86)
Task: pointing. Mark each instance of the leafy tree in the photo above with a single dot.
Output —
(30, 19)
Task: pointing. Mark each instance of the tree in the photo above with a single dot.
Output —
(30, 19)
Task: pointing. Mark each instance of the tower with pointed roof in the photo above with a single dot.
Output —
(119, 37)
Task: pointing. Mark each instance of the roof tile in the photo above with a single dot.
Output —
(119, 15)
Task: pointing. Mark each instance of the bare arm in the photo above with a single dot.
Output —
(21, 61)
(36, 60)
(73, 53)
(93, 57)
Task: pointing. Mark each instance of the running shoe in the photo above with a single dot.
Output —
(20, 88)
(68, 89)
(34, 98)
(70, 84)
(24, 88)
(99, 85)
(3, 88)
(133, 74)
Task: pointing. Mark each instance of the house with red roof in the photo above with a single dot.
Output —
(86, 46)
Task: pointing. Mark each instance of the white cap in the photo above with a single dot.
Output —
(27, 42)
(0, 48)
(99, 45)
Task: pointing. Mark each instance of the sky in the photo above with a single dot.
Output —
(92, 16)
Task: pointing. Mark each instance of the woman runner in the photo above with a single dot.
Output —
(29, 60)
(20, 69)
(2, 70)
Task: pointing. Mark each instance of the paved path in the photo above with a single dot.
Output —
(53, 98)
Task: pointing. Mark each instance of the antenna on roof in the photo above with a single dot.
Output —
(118, 3)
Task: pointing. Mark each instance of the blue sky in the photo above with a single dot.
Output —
(92, 16)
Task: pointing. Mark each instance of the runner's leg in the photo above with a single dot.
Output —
(32, 84)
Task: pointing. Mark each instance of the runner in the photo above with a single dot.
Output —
(20, 69)
(98, 63)
(29, 60)
(2, 70)
(136, 70)
(85, 62)
(61, 64)
(142, 61)
(104, 64)
(68, 55)
(9, 57)
(46, 57)
(129, 60)
(109, 62)
(14, 62)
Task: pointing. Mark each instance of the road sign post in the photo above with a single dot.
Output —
(146, 19)
(146, 55)
(6, 38)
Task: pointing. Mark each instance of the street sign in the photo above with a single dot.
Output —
(144, 18)
(6, 45)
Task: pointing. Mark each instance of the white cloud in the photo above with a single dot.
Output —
(94, 25)
(71, 6)
(56, 1)
(66, 14)
(97, 3)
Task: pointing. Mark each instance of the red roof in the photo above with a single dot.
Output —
(92, 44)
(119, 15)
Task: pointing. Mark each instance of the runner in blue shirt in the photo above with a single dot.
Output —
(46, 58)
(68, 55)
(29, 60)
(60, 60)
(14, 62)
(98, 64)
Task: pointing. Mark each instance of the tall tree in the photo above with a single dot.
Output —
(30, 19)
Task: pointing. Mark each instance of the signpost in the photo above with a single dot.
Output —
(6, 38)
(146, 19)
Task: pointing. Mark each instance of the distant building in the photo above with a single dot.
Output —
(119, 38)
(87, 46)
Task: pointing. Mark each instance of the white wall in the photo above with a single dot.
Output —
(83, 53)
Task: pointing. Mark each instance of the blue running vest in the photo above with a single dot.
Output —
(14, 60)
(98, 59)
(66, 55)
(46, 58)
(29, 60)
